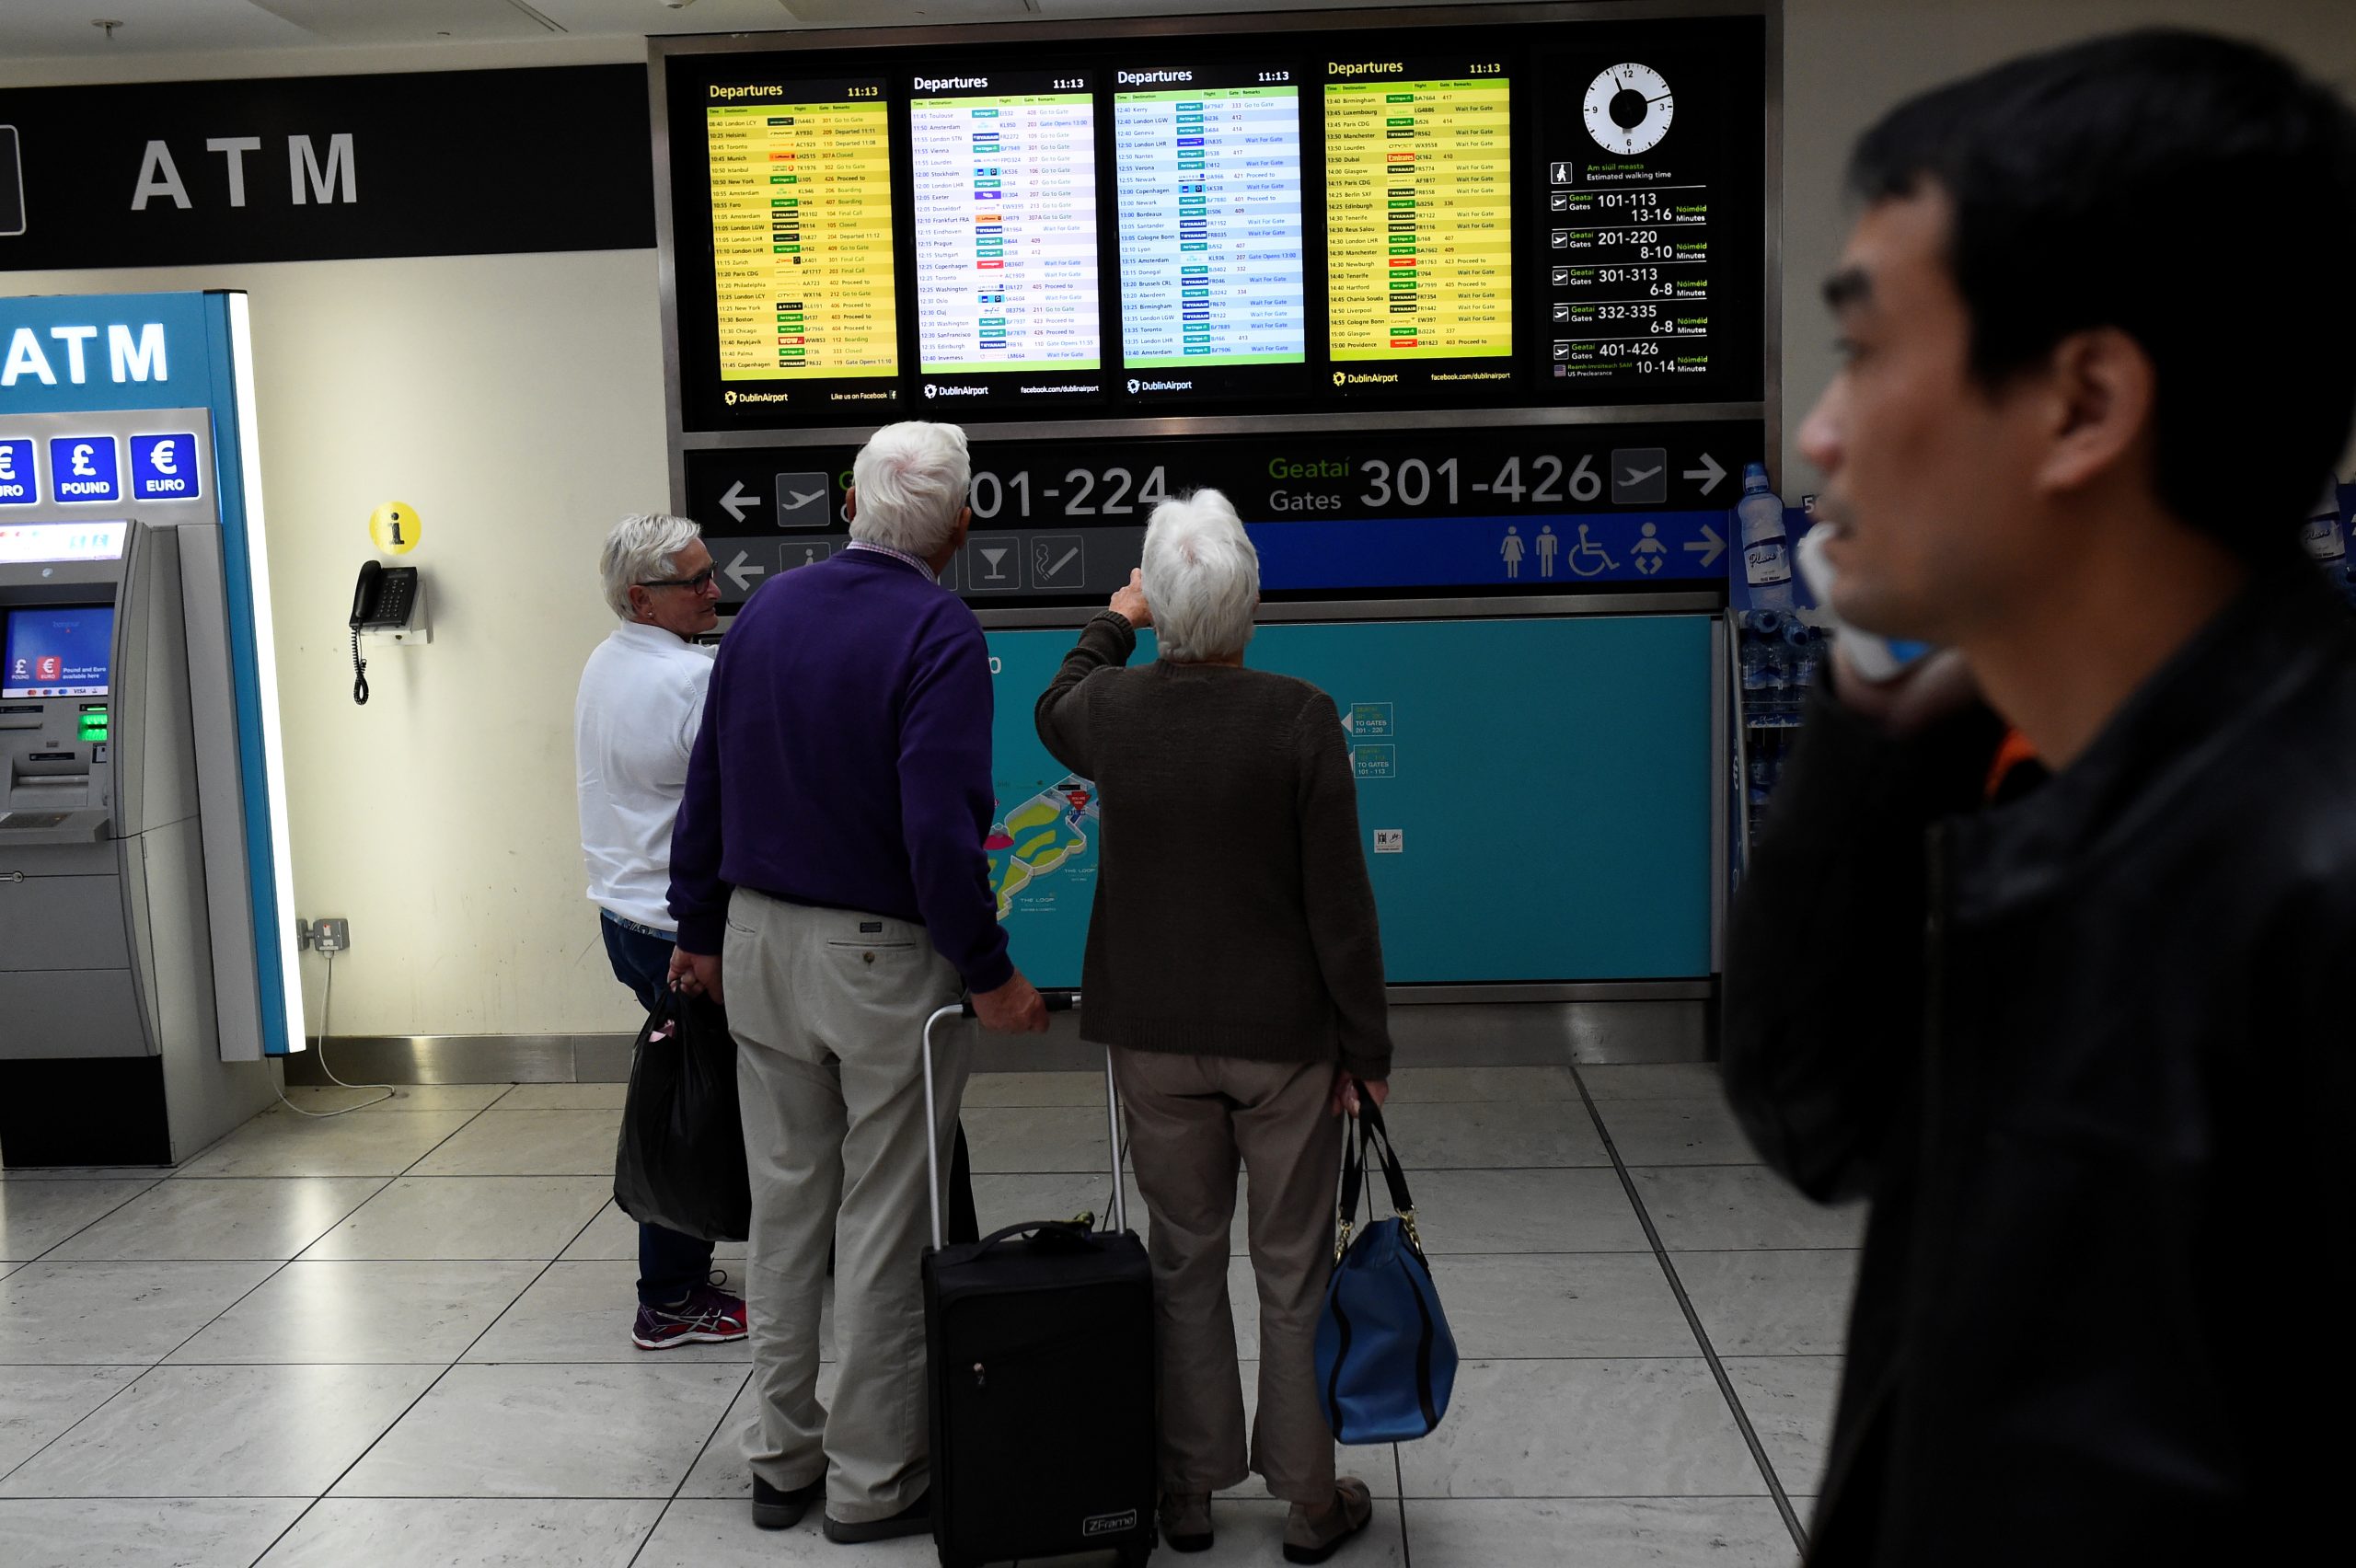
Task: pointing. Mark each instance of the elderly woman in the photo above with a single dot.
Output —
(1235, 970)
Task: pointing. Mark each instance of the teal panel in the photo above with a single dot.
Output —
(1549, 780)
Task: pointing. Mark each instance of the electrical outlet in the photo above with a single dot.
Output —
(331, 935)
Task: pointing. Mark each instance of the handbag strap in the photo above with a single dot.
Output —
(1370, 1145)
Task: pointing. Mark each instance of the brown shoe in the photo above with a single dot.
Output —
(1314, 1536)
(1186, 1520)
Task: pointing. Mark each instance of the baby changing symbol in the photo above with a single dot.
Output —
(1650, 551)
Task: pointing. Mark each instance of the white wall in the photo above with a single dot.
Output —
(1845, 62)
(517, 403)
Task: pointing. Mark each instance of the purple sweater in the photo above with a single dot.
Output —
(844, 762)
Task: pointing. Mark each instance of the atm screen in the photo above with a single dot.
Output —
(56, 651)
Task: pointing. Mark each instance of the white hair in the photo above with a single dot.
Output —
(644, 548)
(911, 478)
(1202, 578)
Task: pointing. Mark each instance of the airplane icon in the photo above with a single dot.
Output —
(801, 501)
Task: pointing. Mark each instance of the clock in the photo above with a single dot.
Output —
(1629, 109)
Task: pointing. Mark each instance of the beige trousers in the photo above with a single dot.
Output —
(828, 1008)
(1189, 1119)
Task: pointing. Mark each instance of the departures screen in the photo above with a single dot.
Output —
(1558, 213)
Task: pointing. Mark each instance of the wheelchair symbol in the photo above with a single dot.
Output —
(1588, 558)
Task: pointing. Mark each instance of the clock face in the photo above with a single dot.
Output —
(1628, 108)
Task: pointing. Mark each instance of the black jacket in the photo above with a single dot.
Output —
(2089, 1054)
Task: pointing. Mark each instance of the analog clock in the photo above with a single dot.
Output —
(1628, 108)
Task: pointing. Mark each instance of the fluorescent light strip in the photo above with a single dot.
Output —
(282, 844)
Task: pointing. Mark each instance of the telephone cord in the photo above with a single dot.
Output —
(359, 692)
(327, 1005)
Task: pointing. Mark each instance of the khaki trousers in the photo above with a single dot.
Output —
(828, 1008)
(1189, 1119)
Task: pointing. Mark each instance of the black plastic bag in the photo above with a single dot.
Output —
(680, 1163)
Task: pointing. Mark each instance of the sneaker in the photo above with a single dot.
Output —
(1313, 1538)
(706, 1316)
(776, 1510)
(1186, 1520)
(914, 1519)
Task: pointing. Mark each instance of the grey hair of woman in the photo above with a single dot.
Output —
(644, 548)
(1202, 578)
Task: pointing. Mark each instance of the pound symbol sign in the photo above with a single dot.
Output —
(163, 458)
(82, 470)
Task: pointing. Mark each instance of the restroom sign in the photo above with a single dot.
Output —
(17, 488)
(164, 468)
(85, 467)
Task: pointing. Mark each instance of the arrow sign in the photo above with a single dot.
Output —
(1710, 545)
(736, 502)
(1709, 473)
(737, 571)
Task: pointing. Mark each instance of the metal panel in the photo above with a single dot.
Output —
(61, 923)
(236, 999)
(72, 1012)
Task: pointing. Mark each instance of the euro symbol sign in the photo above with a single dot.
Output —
(163, 459)
(82, 470)
(8, 462)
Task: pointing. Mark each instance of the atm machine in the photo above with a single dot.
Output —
(148, 958)
(113, 654)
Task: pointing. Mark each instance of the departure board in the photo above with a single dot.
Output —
(1532, 208)
(1419, 222)
(1212, 246)
(801, 234)
(1005, 183)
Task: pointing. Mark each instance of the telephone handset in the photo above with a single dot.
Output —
(381, 601)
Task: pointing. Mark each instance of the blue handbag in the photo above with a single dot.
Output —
(1386, 1362)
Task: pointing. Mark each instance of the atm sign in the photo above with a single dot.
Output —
(17, 488)
(164, 468)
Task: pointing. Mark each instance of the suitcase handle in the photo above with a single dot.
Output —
(1057, 1001)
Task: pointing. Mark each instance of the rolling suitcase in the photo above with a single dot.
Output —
(1041, 1377)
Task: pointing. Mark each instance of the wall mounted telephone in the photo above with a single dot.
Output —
(381, 601)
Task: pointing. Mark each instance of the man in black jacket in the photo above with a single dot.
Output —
(2088, 1050)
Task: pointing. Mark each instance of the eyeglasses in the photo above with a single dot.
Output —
(698, 583)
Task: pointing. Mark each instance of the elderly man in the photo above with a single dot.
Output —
(1231, 848)
(841, 892)
(633, 726)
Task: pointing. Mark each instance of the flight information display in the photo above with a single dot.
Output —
(1419, 222)
(1527, 208)
(1005, 183)
(1212, 235)
(802, 272)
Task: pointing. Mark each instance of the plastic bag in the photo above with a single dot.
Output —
(680, 1163)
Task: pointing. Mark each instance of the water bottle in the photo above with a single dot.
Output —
(2322, 536)
(1766, 559)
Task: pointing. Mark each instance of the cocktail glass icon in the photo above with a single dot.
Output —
(994, 557)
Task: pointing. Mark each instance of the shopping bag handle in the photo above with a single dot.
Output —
(1055, 1001)
(1371, 1143)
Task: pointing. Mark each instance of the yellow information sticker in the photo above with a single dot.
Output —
(395, 528)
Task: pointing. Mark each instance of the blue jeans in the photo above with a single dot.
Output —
(669, 1264)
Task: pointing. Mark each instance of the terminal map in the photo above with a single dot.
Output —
(802, 237)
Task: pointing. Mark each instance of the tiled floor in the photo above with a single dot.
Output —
(399, 1337)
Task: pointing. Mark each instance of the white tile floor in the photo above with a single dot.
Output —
(399, 1337)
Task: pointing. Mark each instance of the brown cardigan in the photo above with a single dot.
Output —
(1233, 914)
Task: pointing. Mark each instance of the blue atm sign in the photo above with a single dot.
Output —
(85, 467)
(17, 483)
(164, 468)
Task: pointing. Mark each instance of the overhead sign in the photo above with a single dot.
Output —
(311, 168)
